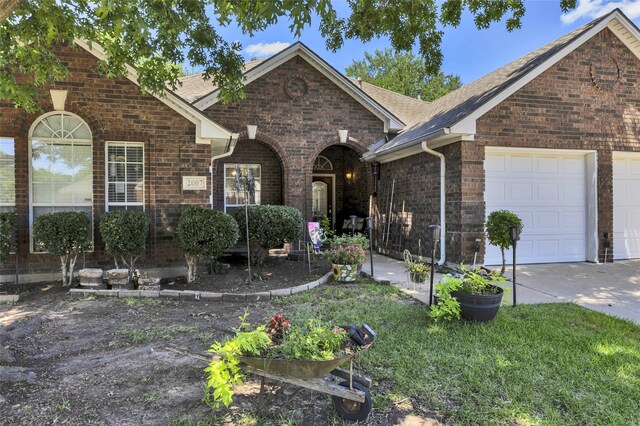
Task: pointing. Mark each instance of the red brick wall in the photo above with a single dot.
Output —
(563, 109)
(299, 129)
(115, 110)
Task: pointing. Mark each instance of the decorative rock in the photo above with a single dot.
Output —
(118, 279)
(91, 278)
(152, 284)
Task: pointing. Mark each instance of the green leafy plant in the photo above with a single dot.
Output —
(497, 230)
(7, 234)
(447, 306)
(63, 234)
(269, 227)
(413, 265)
(124, 233)
(346, 239)
(204, 233)
(314, 341)
(346, 255)
(325, 224)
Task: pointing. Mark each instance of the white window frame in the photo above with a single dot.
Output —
(60, 205)
(106, 176)
(233, 166)
(13, 141)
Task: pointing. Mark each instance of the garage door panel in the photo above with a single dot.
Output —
(548, 192)
(626, 206)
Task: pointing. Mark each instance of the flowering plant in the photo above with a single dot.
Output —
(278, 327)
(346, 255)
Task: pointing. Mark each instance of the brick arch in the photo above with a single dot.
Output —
(354, 144)
(285, 162)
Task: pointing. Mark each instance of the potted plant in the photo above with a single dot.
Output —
(359, 240)
(417, 270)
(470, 295)
(345, 260)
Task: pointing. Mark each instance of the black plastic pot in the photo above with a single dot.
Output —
(479, 307)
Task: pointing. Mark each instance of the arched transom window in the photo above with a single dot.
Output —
(61, 166)
(322, 164)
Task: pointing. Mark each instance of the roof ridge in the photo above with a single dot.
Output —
(387, 90)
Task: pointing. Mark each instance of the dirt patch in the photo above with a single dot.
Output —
(106, 361)
(277, 272)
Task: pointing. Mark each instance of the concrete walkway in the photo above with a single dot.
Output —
(613, 289)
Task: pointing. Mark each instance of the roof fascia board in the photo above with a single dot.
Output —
(391, 122)
(468, 124)
(206, 129)
(436, 140)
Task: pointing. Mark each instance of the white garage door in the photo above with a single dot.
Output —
(548, 192)
(626, 206)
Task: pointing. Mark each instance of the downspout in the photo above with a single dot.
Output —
(227, 152)
(443, 232)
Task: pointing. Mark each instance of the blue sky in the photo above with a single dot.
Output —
(468, 52)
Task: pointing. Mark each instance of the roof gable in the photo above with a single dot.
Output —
(207, 131)
(454, 116)
(391, 122)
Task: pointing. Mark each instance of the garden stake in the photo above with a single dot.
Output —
(434, 236)
(370, 227)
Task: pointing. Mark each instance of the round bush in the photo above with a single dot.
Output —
(269, 227)
(204, 233)
(7, 234)
(124, 233)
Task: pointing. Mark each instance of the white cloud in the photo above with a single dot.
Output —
(265, 49)
(595, 8)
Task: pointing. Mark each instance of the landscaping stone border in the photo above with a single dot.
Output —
(202, 295)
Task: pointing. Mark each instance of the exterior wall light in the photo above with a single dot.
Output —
(251, 131)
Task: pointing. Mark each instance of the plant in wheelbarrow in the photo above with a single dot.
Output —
(291, 353)
(470, 295)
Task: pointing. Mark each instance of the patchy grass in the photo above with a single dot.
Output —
(143, 335)
(534, 364)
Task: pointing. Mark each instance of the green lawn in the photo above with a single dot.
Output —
(534, 364)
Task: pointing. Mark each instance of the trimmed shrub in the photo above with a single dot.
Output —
(124, 233)
(269, 227)
(63, 234)
(7, 234)
(497, 230)
(204, 233)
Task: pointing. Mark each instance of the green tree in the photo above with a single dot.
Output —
(403, 72)
(124, 233)
(497, 230)
(155, 35)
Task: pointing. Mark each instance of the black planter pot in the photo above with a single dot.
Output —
(479, 307)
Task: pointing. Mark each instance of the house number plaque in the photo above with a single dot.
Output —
(194, 183)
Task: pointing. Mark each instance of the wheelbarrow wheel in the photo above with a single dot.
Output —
(352, 410)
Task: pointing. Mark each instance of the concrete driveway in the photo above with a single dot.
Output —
(613, 289)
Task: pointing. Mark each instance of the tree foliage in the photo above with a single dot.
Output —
(124, 233)
(63, 234)
(269, 227)
(497, 229)
(156, 35)
(7, 234)
(402, 72)
(204, 233)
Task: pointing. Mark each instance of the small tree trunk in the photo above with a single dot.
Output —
(503, 262)
(72, 264)
(192, 264)
(63, 261)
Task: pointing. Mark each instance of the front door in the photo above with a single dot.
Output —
(322, 196)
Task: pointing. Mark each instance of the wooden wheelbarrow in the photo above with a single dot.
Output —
(349, 391)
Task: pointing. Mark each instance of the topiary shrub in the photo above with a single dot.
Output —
(124, 233)
(269, 227)
(7, 234)
(497, 230)
(63, 234)
(204, 233)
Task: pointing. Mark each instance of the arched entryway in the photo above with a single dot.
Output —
(339, 185)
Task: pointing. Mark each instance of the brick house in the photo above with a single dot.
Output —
(100, 144)
(553, 136)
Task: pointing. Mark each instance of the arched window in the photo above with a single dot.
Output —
(322, 164)
(61, 175)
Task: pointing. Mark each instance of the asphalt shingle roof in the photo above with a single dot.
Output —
(455, 106)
